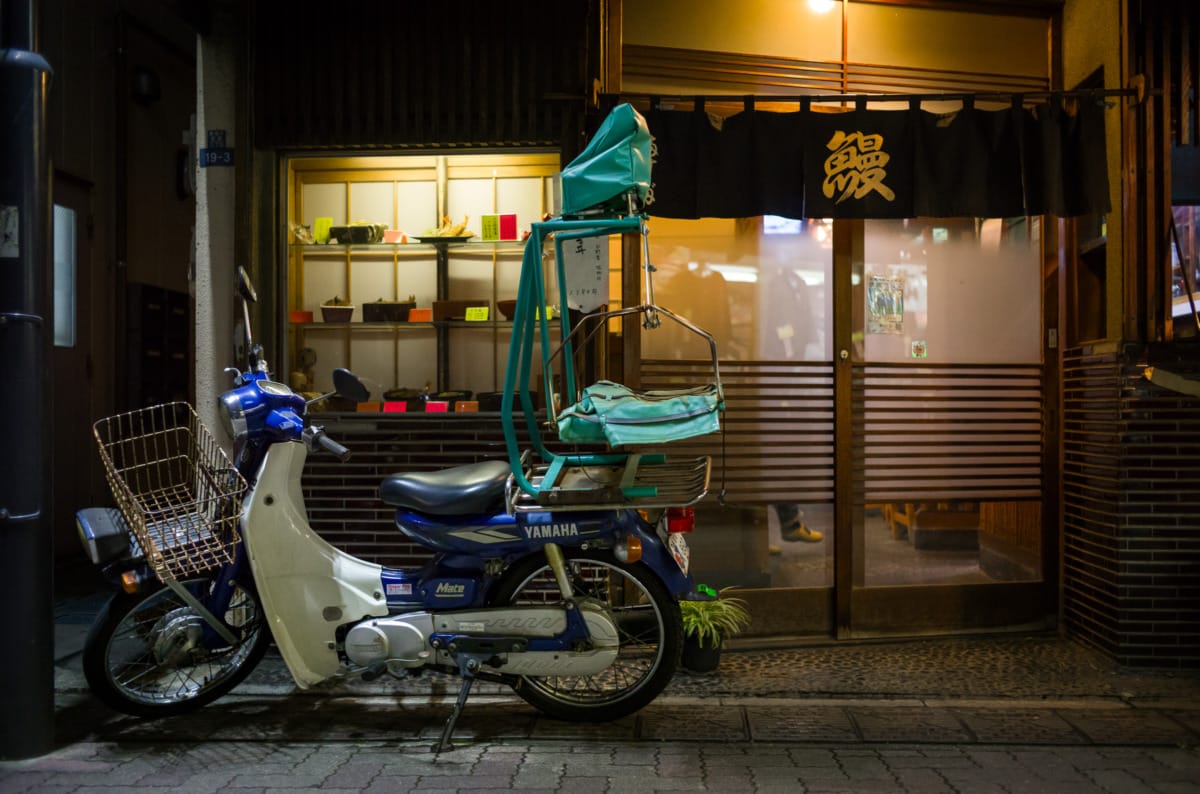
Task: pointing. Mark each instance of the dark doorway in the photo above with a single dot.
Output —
(71, 361)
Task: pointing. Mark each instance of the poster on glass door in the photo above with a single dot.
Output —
(885, 305)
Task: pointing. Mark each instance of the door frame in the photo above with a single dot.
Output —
(71, 378)
(861, 611)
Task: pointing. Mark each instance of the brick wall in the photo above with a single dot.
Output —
(1131, 505)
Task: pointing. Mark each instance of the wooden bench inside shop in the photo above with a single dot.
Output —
(933, 525)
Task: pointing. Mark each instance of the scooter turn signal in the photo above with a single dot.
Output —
(628, 549)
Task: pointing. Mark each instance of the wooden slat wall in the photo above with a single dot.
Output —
(703, 71)
(1018, 524)
(379, 73)
(1164, 50)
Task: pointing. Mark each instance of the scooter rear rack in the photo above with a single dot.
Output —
(610, 481)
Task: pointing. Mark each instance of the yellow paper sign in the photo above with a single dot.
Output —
(321, 227)
(489, 227)
(476, 313)
(549, 313)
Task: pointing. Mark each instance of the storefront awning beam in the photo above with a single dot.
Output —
(863, 99)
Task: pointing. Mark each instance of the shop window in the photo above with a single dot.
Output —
(64, 276)
(1185, 270)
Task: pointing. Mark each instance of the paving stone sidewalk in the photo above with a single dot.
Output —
(1002, 714)
(579, 768)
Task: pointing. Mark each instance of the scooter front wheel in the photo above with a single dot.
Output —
(147, 654)
(648, 623)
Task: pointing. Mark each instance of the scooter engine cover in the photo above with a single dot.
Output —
(401, 639)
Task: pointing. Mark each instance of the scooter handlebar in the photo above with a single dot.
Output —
(334, 448)
(317, 437)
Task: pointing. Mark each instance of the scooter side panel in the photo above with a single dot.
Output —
(307, 587)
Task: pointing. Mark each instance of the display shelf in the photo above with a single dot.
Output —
(481, 324)
(440, 254)
(409, 192)
(484, 246)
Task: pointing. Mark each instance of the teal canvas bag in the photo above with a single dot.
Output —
(611, 413)
(615, 162)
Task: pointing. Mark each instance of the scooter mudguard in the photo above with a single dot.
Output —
(307, 587)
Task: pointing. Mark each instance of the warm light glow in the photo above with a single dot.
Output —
(821, 6)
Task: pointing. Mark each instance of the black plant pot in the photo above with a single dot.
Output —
(699, 658)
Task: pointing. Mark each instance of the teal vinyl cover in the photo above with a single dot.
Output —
(616, 161)
(611, 413)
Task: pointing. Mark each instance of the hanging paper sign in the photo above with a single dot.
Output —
(585, 262)
(489, 227)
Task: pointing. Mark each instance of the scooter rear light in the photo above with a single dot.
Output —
(681, 519)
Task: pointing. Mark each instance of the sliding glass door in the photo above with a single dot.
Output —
(880, 466)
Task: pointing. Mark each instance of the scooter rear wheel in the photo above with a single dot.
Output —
(648, 622)
(144, 654)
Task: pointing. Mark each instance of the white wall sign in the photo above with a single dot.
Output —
(585, 263)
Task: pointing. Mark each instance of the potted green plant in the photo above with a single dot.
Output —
(707, 623)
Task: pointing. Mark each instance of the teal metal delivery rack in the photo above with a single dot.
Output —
(617, 478)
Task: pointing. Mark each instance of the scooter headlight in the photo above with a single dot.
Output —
(233, 415)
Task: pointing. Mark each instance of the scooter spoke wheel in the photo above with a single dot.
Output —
(147, 654)
(648, 625)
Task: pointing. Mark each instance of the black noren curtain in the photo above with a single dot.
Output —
(1048, 159)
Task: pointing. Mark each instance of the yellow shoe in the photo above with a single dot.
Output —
(800, 533)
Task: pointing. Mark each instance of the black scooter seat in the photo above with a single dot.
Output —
(458, 491)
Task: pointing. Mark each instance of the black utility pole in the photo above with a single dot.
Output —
(26, 583)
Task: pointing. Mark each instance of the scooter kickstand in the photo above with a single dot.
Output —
(468, 665)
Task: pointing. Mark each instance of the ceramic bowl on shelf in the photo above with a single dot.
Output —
(358, 233)
(297, 316)
(507, 308)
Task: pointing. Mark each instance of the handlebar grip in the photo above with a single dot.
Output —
(337, 450)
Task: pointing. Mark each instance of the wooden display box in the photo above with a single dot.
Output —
(387, 311)
(456, 309)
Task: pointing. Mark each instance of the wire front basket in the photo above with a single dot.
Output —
(176, 488)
